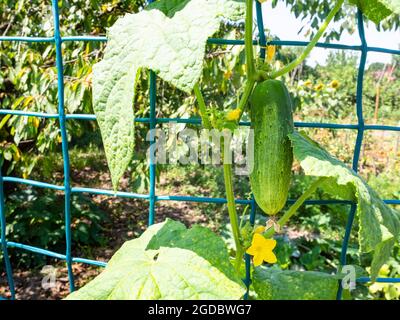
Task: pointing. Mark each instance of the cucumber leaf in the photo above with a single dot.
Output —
(168, 37)
(197, 239)
(377, 10)
(167, 262)
(379, 225)
(275, 284)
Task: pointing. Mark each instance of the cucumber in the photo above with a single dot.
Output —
(272, 120)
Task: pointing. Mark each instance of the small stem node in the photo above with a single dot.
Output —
(292, 210)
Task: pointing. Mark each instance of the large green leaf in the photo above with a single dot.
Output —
(168, 37)
(377, 10)
(274, 284)
(167, 262)
(379, 225)
(200, 240)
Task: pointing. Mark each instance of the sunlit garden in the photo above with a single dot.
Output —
(190, 149)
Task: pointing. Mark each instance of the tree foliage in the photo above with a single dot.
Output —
(316, 12)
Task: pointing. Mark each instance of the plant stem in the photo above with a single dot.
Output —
(250, 74)
(232, 214)
(202, 107)
(248, 40)
(311, 45)
(250, 67)
(248, 89)
(292, 210)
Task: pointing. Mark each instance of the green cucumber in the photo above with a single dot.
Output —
(272, 121)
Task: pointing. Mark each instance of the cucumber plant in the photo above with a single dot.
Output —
(169, 261)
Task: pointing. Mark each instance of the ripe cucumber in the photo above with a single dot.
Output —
(272, 121)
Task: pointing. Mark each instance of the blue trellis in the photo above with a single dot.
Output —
(152, 120)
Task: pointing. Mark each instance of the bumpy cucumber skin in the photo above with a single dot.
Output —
(272, 121)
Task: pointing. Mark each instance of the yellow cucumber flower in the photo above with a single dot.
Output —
(270, 53)
(36, 122)
(17, 155)
(233, 115)
(261, 250)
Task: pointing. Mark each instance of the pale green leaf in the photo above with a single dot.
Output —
(154, 267)
(377, 10)
(169, 37)
(381, 255)
(379, 225)
(274, 284)
(200, 240)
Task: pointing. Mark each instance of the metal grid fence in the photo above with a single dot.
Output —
(152, 120)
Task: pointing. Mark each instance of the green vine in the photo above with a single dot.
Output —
(311, 45)
(233, 215)
(248, 38)
(202, 107)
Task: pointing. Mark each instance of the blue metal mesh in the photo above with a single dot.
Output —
(152, 120)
